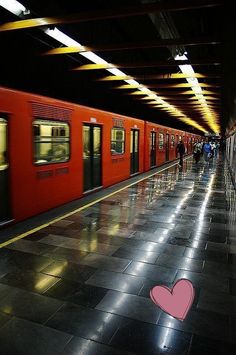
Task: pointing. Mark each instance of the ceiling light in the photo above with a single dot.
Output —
(62, 37)
(93, 58)
(14, 7)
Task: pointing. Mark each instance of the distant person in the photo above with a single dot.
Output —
(197, 150)
(181, 151)
(217, 149)
(207, 151)
(213, 148)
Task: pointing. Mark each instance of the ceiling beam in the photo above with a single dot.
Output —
(193, 98)
(157, 77)
(165, 63)
(178, 93)
(135, 45)
(176, 76)
(105, 14)
(179, 86)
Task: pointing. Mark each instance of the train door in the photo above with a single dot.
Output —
(167, 146)
(4, 174)
(92, 156)
(134, 151)
(153, 149)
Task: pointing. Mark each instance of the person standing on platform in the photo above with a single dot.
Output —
(197, 149)
(217, 149)
(213, 148)
(207, 151)
(181, 151)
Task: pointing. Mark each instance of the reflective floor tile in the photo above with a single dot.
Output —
(53, 239)
(217, 302)
(116, 281)
(114, 232)
(209, 324)
(71, 255)
(143, 338)
(4, 290)
(208, 255)
(36, 236)
(153, 272)
(28, 305)
(26, 261)
(217, 269)
(180, 262)
(205, 346)
(19, 336)
(131, 306)
(174, 249)
(88, 347)
(29, 280)
(63, 223)
(136, 254)
(106, 262)
(99, 248)
(69, 271)
(220, 247)
(232, 286)
(4, 318)
(205, 281)
(86, 322)
(28, 246)
(77, 293)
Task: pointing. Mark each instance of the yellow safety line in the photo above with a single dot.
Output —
(21, 236)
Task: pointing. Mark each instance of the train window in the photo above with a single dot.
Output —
(161, 140)
(3, 144)
(172, 141)
(117, 141)
(51, 141)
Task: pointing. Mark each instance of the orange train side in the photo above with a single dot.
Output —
(34, 189)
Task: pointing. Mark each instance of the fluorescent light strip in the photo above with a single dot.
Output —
(13, 6)
(196, 88)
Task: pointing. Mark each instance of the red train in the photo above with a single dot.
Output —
(52, 151)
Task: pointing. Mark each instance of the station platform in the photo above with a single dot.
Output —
(81, 285)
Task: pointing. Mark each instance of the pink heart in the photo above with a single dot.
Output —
(176, 301)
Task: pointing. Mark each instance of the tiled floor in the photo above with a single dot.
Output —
(81, 286)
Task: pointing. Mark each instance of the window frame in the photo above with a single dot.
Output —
(35, 119)
(4, 117)
(163, 141)
(172, 141)
(111, 141)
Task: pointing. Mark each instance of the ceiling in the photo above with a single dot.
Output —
(141, 38)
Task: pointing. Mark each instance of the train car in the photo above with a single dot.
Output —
(53, 152)
(161, 143)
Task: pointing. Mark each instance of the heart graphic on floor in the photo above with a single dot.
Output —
(176, 301)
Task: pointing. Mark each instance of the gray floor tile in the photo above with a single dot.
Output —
(105, 262)
(180, 262)
(217, 302)
(219, 284)
(28, 305)
(19, 336)
(116, 281)
(131, 306)
(153, 272)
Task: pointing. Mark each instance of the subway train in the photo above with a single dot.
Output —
(53, 152)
